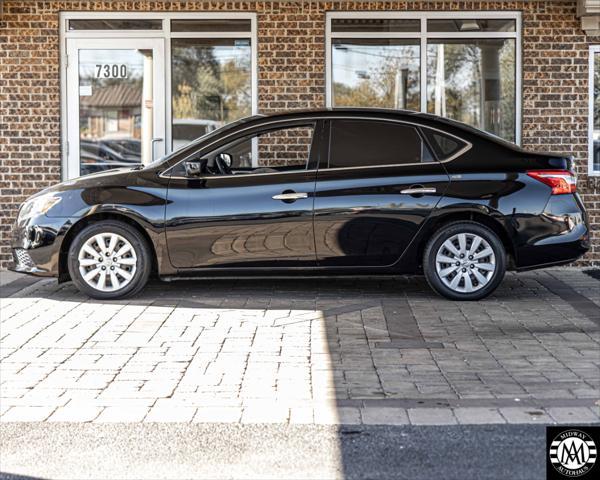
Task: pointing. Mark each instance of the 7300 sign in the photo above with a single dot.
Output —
(111, 71)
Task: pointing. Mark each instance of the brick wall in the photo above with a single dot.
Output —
(291, 74)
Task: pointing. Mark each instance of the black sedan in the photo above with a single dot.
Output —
(335, 192)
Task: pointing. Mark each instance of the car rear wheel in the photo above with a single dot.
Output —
(109, 260)
(464, 261)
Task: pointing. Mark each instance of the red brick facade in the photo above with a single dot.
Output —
(291, 74)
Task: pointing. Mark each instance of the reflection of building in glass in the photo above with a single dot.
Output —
(112, 111)
(116, 124)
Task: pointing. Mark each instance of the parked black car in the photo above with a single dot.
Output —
(336, 192)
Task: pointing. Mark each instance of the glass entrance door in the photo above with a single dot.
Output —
(115, 103)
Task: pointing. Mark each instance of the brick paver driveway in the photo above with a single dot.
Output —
(304, 351)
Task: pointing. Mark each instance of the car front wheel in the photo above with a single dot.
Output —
(109, 260)
(464, 261)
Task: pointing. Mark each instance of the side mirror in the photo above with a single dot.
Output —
(193, 168)
(226, 158)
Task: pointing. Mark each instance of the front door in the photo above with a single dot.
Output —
(115, 103)
(378, 186)
(249, 206)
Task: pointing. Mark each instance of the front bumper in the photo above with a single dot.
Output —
(36, 245)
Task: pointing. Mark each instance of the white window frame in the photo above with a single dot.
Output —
(164, 34)
(594, 49)
(423, 36)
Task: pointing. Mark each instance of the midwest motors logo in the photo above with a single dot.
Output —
(573, 453)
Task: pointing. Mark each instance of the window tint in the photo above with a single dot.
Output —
(360, 143)
(443, 145)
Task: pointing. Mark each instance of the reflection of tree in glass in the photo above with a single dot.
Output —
(507, 93)
(476, 81)
(211, 87)
(392, 83)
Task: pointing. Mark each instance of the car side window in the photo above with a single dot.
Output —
(366, 143)
(444, 146)
(272, 151)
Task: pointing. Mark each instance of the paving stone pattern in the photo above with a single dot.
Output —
(303, 351)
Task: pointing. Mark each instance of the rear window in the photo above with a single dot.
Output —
(366, 143)
(444, 146)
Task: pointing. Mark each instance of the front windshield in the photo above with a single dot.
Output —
(206, 136)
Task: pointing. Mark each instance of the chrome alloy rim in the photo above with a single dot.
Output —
(107, 262)
(465, 262)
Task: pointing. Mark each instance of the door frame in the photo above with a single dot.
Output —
(225, 181)
(73, 45)
(165, 35)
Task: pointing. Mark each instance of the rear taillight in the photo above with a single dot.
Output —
(561, 181)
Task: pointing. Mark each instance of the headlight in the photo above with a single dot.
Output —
(37, 206)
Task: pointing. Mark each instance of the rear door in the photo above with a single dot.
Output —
(375, 189)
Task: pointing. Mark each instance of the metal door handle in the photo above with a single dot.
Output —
(290, 196)
(417, 191)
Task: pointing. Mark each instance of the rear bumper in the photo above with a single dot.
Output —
(560, 235)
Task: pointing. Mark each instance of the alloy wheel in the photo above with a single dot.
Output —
(107, 262)
(465, 262)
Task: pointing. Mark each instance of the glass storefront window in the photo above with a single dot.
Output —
(212, 25)
(115, 24)
(135, 91)
(473, 81)
(594, 125)
(471, 25)
(113, 88)
(376, 73)
(454, 65)
(375, 25)
(211, 85)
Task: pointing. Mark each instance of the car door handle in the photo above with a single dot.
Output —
(290, 196)
(418, 191)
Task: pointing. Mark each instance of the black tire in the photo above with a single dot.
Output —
(137, 241)
(448, 231)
